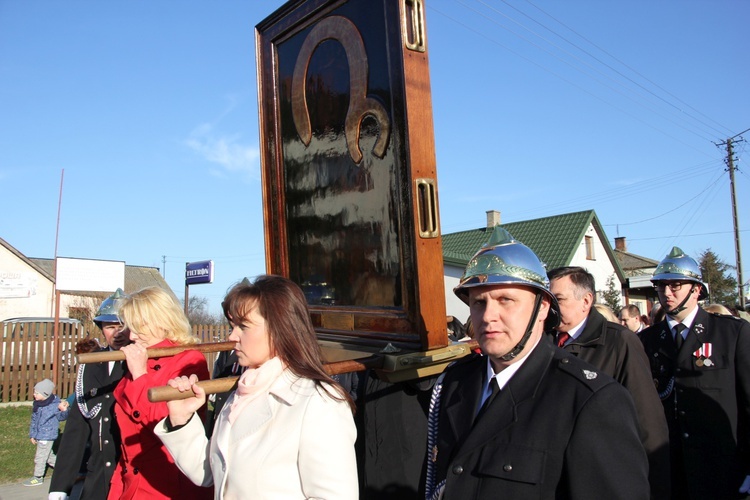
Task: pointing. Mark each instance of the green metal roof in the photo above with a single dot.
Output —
(553, 239)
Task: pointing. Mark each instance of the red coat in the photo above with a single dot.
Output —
(146, 469)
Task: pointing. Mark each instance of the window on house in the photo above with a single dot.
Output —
(590, 248)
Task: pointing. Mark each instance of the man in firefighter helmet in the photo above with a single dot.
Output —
(526, 418)
(700, 363)
(91, 419)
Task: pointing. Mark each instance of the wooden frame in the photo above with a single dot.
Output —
(348, 168)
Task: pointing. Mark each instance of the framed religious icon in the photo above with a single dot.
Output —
(348, 164)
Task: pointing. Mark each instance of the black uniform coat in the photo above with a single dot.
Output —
(226, 365)
(707, 404)
(559, 429)
(101, 431)
(616, 351)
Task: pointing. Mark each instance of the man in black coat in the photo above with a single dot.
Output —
(226, 365)
(700, 363)
(614, 350)
(527, 420)
(92, 420)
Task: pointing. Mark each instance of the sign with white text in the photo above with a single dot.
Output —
(197, 273)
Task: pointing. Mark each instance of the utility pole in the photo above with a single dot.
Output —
(737, 250)
(164, 266)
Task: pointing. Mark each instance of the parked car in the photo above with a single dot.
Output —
(19, 348)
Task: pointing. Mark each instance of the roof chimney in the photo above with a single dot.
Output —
(621, 244)
(493, 218)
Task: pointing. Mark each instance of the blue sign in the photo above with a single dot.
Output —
(197, 273)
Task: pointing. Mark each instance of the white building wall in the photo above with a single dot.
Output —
(23, 290)
(453, 305)
(601, 267)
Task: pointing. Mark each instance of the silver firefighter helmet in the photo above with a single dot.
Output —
(678, 266)
(107, 312)
(506, 261)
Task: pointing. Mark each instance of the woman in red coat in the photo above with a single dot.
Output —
(146, 469)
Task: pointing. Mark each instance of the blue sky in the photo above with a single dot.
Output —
(540, 108)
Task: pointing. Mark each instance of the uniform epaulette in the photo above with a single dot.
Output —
(583, 372)
(723, 316)
(463, 361)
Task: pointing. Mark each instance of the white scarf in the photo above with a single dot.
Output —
(254, 382)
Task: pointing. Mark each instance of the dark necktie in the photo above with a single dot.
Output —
(494, 389)
(678, 339)
(562, 337)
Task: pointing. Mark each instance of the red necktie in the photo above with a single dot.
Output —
(562, 337)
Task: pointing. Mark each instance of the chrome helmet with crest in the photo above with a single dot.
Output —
(506, 261)
(678, 266)
(107, 312)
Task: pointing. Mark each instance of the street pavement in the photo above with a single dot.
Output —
(17, 491)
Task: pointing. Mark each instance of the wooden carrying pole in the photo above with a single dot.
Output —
(159, 352)
(167, 393)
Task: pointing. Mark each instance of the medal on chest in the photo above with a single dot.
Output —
(703, 355)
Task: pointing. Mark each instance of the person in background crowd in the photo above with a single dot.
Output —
(701, 365)
(645, 320)
(718, 309)
(48, 411)
(153, 318)
(657, 314)
(606, 311)
(288, 430)
(91, 423)
(456, 329)
(526, 419)
(226, 365)
(611, 348)
(630, 318)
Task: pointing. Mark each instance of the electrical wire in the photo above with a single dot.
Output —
(629, 68)
(623, 85)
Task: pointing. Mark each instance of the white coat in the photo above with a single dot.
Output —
(296, 442)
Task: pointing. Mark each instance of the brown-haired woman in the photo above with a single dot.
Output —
(288, 430)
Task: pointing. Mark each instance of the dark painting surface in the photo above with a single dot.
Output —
(341, 165)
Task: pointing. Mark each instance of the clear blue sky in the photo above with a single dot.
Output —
(540, 108)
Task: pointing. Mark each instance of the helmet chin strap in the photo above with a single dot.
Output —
(681, 307)
(522, 343)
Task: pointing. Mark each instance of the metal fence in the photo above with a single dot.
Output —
(28, 355)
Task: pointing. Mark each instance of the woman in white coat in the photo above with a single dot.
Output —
(288, 430)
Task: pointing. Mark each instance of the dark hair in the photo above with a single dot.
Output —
(282, 304)
(580, 277)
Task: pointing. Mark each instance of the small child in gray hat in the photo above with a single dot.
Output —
(46, 416)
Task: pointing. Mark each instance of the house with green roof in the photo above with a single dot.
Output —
(575, 239)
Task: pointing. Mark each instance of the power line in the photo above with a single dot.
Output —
(665, 213)
(685, 235)
(563, 78)
(628, 67)
(623, 85)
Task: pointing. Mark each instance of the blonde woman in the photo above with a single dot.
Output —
(146, 469)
